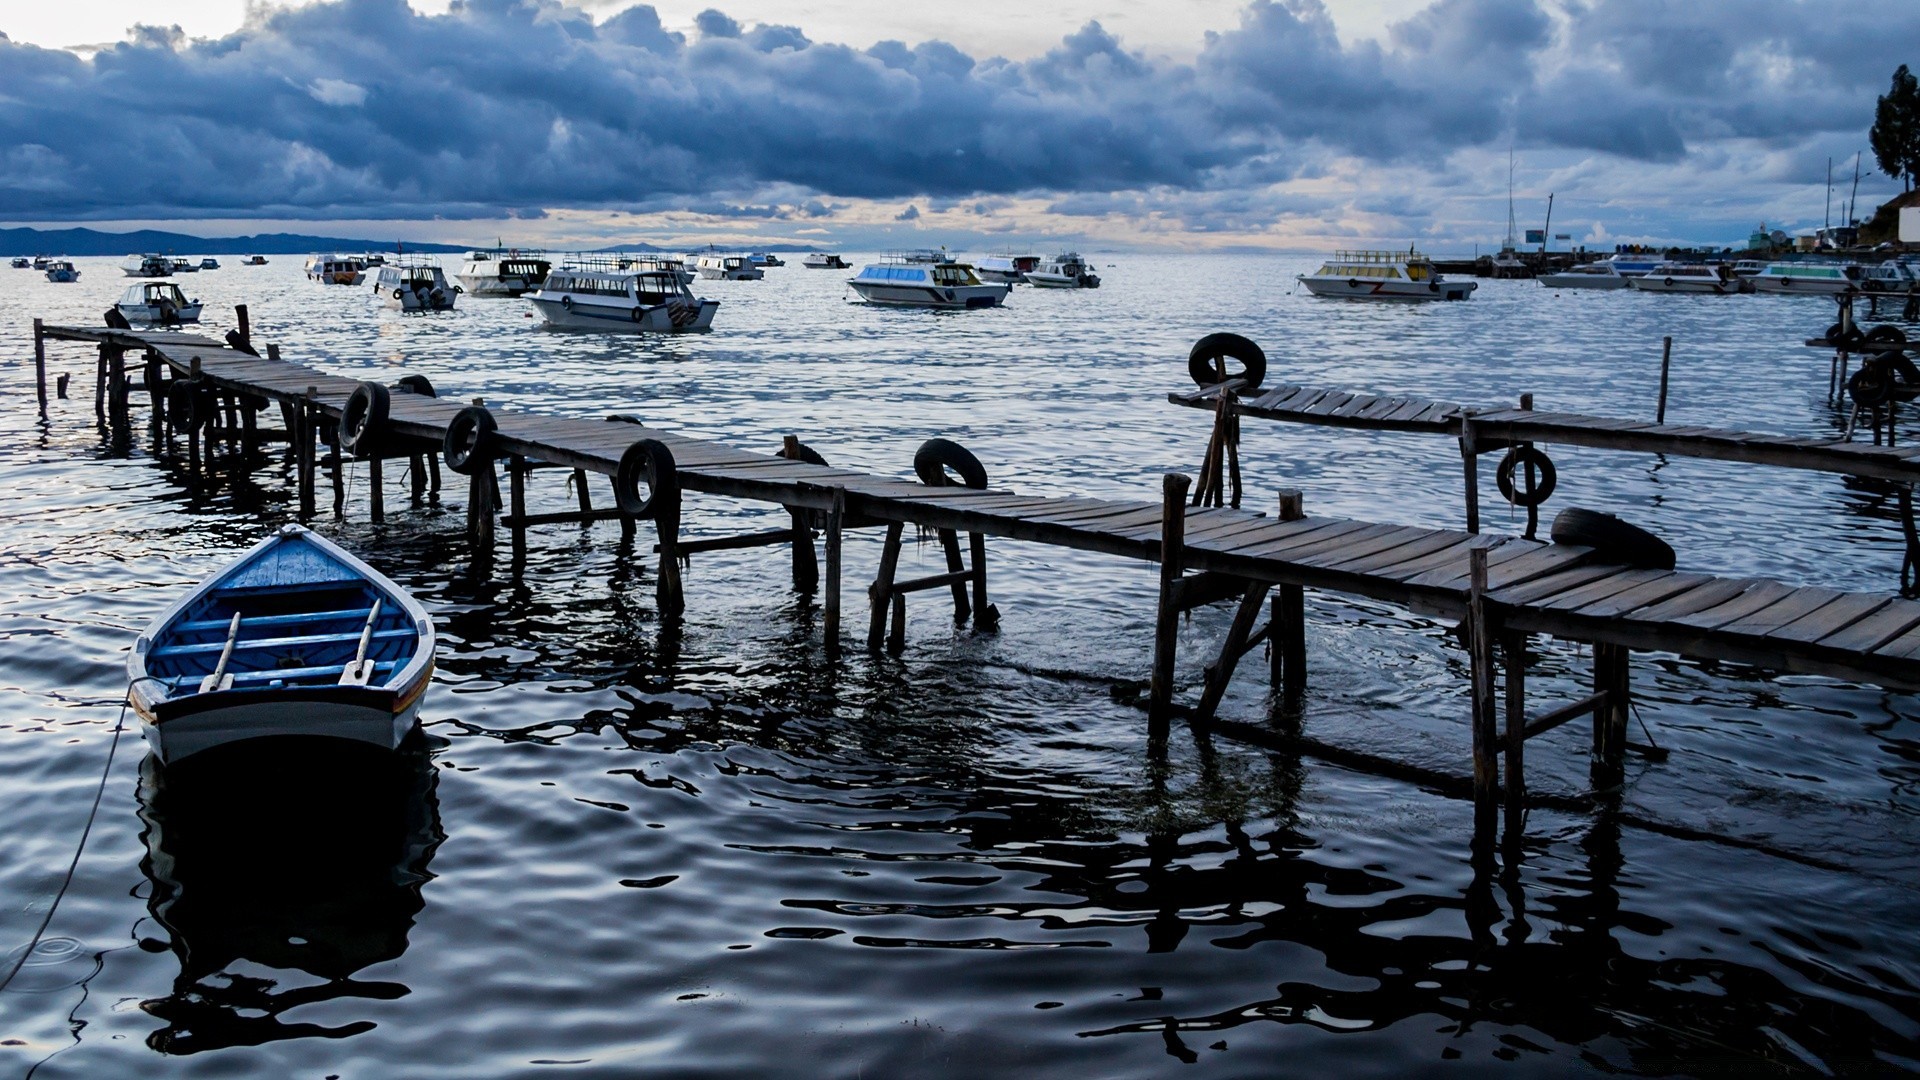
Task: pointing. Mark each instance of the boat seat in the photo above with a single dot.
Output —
(324, 671)
(296, 642)
(296, 619)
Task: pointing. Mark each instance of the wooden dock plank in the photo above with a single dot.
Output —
(1653, 592)
(1761, 595)
(1534, 593)
(1869, 633)
(1845, 611)
(1783, 612)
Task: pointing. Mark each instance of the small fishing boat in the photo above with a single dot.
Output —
(21, 262)
(1594, 275)
(62, 270)
(1383, 275)
(502, 273)
(147, 266)
(157, 302)
(414, 285)
(254, 260)
(297, 637)
(946, 285)
(728, 268)
(209, 263)
(1673, 277)
(665, 264)
(1067, 271)
(1009, 269)
(624, 301)
(184, 266)
(763, 259)
(820, 260)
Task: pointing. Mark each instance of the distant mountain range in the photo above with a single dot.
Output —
(93, 242)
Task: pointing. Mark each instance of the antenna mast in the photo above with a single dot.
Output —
(1510, 237)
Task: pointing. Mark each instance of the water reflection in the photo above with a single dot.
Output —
(300, 856)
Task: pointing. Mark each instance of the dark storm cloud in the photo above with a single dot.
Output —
(364, 108)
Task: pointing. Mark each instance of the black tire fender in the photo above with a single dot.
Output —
(1833, 333)
(1433, 286)
(1871, 386)
(1886, 334)
(1516, 492)
(398, 293)
(189, 405)
(1202, 358)
(1612, 539)
(1353, 283)
(1668, 282)
(363, 420)
(414, 384)
(638, 313)
(469, 439)
(567, 302)
(647, 462)
(936, 456)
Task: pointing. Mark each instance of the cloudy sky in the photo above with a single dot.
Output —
(1196, 125)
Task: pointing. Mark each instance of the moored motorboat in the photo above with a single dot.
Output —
(763, 259)
(336, 269)
(159, 302)
(147, 266)
(1807, 279)
(1675, 277)
(821, 260)
(1064, 271)
(1384, 275)
(502, 273)
(1011, 269)
(1595, 275)
(209, 263)
(414, 285)
(946, 285)
(254, 260)
(728, 268)
(1892, 276)
(666, 264)
(62, 270)
(621, 301)
(184, 266)
(21, 262)
(1632, 264)
(296, 637)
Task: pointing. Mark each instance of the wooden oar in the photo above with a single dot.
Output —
(360, 672)
(220, 680)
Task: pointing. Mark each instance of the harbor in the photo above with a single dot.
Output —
(562, 652)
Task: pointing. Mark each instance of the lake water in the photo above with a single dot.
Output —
(719, 852)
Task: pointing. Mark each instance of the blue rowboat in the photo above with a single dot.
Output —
(297, 637)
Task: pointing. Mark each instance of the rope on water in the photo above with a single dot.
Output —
(67, 881)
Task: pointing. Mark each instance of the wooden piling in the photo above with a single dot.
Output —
(40, 364)
(806, 566)
(836, 525)
(669, 595)
(99, 384)
(956, 566)
(330, 430)
(1514, 650)
(1666, 362)
(246, 324)
(986, 617)
(1486, 762)
(582, 494)
(376, 489)
(1288, 622)
(1611, 691)
(1166, 629)
(305, 415)
(60, 386)
(1470, 464)
(517, 507)
(880, 593)
(117, 413)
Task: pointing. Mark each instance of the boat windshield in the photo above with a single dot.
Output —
(954, 275)
(1419, 271)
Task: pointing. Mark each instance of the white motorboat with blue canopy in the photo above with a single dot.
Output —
(946, 285)
(1807, 279)
(1383, 275)
(62, 270)
(296, 637)
(720, 267)
(1674, 277)
(622, 301)
(159, 302)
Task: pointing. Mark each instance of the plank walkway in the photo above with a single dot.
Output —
(1553, 589)
(1497, 428)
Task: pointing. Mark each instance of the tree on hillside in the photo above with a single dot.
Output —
(1895, 137)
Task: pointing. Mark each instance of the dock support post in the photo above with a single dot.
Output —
(517, 492)
(669, 596)
(117, 391)
(880, 593)
(836, 524)
(376, 489)
(1287, 643)
(40, 364)
(1666, 361)
(1470, 463)
(303, 456)
(416, 477)
(1514, 648)
(246, 324)
(482, 489)
(950, 544)
(331, 432)
(986, 617)
(581, 492)
(806, 566)
(100, 385)
(156, 394)
(1220, 672)
(1486, 762)
(1610, 679)
(1166, 627)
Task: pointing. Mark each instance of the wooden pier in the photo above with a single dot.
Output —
(212, 394)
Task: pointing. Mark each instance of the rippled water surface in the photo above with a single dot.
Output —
(625, 849)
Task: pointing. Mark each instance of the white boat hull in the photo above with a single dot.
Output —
(149, 313)
(949, 298)
(494, 285)
(60, 276)
(1041, 280)
(419, 300)
(340, 277)
(745, 273)
(653, 319)
(1653, 284)
(1792, 286)
(184, 736)
(1583, 281)
(999, 277)
(1386, 289)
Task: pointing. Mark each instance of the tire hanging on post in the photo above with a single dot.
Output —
(469, 440)
(646, 480)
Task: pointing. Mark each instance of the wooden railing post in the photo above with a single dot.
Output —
(1486, 762)
(1166, 632)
